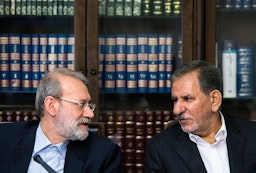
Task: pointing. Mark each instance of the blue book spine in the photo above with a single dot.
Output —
(43, 41)
(62, 50)
(153, 63)
(26, 71)
(161, 63)
(120, 63)
(254, 4)
(247, 4)
(4, 62)
(132, 63)
(110, 64)
(228, 4)
(142, 63)
(15, 62)
(35, 61)
(102, 51)
(52, 51)
(245, 71)
(169, 61)
(238, 4)
(71, 52)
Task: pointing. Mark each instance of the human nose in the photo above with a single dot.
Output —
(88, 113)
(178, 108)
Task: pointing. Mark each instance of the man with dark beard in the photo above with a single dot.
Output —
(61, 137)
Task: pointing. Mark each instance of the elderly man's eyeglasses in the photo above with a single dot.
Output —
(82, 105)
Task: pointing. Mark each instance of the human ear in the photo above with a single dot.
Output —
(51, 105)
(216, 100)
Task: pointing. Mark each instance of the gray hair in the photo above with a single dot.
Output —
(50, 86)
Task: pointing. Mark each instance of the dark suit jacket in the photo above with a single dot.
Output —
(172, 151)
(93, 155)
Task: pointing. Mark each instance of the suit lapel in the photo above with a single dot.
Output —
(189, 152)
(23, 150)
(235, 143)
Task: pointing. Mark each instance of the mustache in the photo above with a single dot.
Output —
(85, 121)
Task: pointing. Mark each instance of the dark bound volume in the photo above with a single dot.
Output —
(245, 71)
(158, 7)
(228, 4)
(146, 8)
(137, 8)
(2, 7)
(111, 4)
(128, 7)
(119, 7)
(35, 61)
(176, 7)
(167, 7)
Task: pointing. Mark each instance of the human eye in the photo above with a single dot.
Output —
(81, 104)
(187, 98)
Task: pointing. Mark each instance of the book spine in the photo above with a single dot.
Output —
(29, 7)
(228, 4)
(101, 59)
(65, 7)
(132, 63)
(142, 63)
(161, 63)
(44, 7)
(167, 7)
(71, 52)
(247, 4)
(26, 76)
(102, 7)
(111, 4)
(229, 69)
(62, 50)
(119, 9)
(52, 48)
(71, 5)
(219, 4)
(55, 7)
(245, 72)
(238, 4)
(50, 8)
(15, 68)
(43, 54)
(60, 7)
(146, 8)
(39, 7)
(137, 8)
(2, 5)
(7, 7)
(169, 61)
(18, 7)
(158, 7)
(120, 63)
(110, 60)
(23, 7)
(128, 7)
(4, 62)
(254, 4)
(176, 7)
(35, 61)
(13, 8)
(33, 7)
(153, 63)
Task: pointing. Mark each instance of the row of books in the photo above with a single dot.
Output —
(236, 4)
(130, 130)
(139, 7)
(238, 69)
(135, 63)
(24, 58)
(17, 115)
(37, 7)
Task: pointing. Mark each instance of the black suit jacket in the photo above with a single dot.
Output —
(93, 155)
(173, 152)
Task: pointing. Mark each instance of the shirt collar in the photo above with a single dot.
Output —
(42, 142)
(221, 134)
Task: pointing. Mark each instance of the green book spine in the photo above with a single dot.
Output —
(60, 7)
(146, 8)
(102, 7)
(49, 6)
(158, 7)
(55, 7)
(119, 7)
(176, 7)
(23, 6)
(65, 7)
(7, 7)
(128, 7)
(167, 7)
(111, 7)
(1, 7)
(71, 4)
(33, 7)
(39, 6)
(29, 7)
(18, 7)
(44, 7)
(137, 8)
(13, 7)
